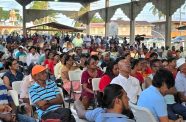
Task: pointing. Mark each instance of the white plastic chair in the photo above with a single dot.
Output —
(142, 114)
(14, 96)
(75, 76)
(95, 87)
(16, 85)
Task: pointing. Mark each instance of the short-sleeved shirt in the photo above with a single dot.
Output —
(86, 79)
(50, 64)
(4, 97)
(12, 78)
(152, 99)
(77, 42)
(130, 85)
(180, 82)
(20, 54)
(99, 115)
(25, 84)
(104, 81)
(38, 93)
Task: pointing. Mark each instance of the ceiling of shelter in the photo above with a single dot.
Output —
(26, 2)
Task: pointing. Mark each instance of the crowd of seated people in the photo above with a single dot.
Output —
(152, 79)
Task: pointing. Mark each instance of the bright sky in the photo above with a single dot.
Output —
(145, 15)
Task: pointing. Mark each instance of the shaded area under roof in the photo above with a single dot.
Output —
(26, 2)
(182, 28)
(55, 27)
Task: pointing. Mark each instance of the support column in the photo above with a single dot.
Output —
(168, 24)
(106, 18)
(132, 24)
(24, 20)
(87, 6)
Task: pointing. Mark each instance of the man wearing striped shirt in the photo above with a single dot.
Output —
(45, 95)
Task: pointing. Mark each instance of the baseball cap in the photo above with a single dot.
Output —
(37, 69)
(180, 62)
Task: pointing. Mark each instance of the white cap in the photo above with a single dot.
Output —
(180, 62)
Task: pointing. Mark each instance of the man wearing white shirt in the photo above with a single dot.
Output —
(32, 56)
(130, 84)
(180, 81)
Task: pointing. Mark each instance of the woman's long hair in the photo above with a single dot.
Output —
(109, 69)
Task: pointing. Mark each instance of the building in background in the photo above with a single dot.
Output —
(11, 24)
(159, 26)
(122, 28)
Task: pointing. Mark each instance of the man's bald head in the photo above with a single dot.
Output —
(124, 66)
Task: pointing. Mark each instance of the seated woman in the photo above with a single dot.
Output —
(68, 65)
(12, 74)
(115, 101)
(136, 68)
(111, 72)
(92, 72)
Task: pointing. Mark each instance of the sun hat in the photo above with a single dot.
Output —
(180, 62)
(37, 69)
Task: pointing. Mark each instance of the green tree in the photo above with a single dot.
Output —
(4, 15)
(155, 12)
(96, 19)
(42, 5)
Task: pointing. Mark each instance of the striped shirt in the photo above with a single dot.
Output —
(38, 93)
(4, 97)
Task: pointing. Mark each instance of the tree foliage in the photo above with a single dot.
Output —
(155, 12)
(96, 19)
(42, 5)
(4, 15)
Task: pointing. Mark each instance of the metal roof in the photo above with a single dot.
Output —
(57, 26)
(26, 2)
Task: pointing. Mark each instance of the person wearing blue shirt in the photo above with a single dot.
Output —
(20, 52)
(46, 96)
(115, 101)
(12, 75)
(152, 97)
(6, 102)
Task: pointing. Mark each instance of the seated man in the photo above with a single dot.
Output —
(8, 109)
(47, 98)
(180, 81)
(152, 97)
(115, 102)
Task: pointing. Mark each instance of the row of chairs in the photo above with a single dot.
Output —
(141, 114)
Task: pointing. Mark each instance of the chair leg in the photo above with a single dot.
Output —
(95, 100)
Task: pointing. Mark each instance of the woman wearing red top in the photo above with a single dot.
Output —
(92, 71)
(136, 68)
(111, 72)
(49, 62)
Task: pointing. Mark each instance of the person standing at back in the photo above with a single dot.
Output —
(77, 41)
